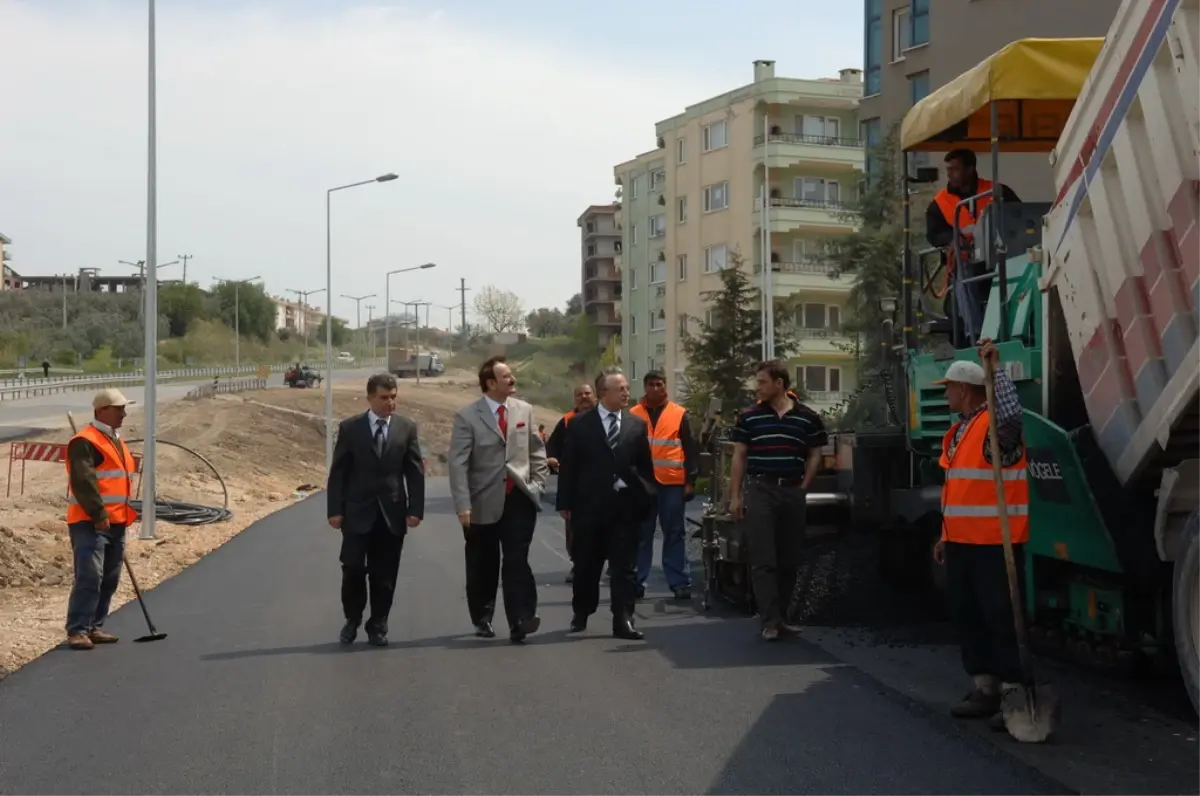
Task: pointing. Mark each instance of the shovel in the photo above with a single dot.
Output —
(1030, 710)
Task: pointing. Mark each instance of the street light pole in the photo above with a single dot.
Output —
(358, 300)
(370, 327)
(304, 294)
(387, 305)
(237, 320)
(150, 292)
(449, 324)
(329, 316)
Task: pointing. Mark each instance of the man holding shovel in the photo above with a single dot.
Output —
(99, 477)
(972, 544)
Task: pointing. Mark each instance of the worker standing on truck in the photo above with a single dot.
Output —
(585, 399)
(99, 484)
(971, 546)
(777, 450)
(676, 463)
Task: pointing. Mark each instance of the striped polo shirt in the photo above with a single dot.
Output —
(778, 445)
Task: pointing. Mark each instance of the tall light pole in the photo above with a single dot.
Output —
(450, 308)
(141, 266)
(329, 316)
(387, 304)
(237, 319)
(370, 327)
(358, 300)
(150, 292)
(184, 258)
(304, 294)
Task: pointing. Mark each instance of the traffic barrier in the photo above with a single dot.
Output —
(48, 452)
(230, 386)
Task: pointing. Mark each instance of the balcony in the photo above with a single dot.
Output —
(593, 274)
(603, 317)
(824, 398)
(791, 149)
(806, 275)
(789, 214)
(599, 231)
(825, 342)
(598, 254)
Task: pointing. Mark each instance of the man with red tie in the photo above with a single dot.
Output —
(497, 464)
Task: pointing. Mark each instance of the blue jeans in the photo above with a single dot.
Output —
(668, 511)
(97, 558)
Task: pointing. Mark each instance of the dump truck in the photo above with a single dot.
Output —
(1091, 297)
(405, 364)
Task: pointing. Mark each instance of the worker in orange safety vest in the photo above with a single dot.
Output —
(971, 545)
(962, 182)
(585, 399)
(676, 463)
(99, 486)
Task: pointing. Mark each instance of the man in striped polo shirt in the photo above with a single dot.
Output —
(776, 455)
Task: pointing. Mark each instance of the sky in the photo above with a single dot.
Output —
(503, 121)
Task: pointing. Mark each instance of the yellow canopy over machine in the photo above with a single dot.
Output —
(1033, 84)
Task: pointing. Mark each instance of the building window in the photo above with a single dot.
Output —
(870, 130)
(591, 250)
(920, 23)
(901, 28)
(633, 234)
(683, 325)
(807, 250)
(716, 197)
(818, 378)
(658, 272)
(591, 227)
(635, 187)
(819, 316)
(658, 320)
(658, 225)
(826, 129)
(681, 267)
(715, 258)
(715, 136)
(681, 209)
(873, 47)
(632, 277)
(817, 190)
(657, 180)
(710, 318)
(680, 150)
(918, 87)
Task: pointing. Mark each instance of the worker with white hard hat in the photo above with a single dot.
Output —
(100, 479)
(971, 546)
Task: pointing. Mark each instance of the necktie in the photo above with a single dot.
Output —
(380, 435)
(502, 421)
(614, 430)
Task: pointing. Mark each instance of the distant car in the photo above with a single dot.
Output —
(345, 358)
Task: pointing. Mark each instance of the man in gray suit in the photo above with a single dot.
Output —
(497, 476)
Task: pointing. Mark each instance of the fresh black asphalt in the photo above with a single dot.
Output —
(251, 694)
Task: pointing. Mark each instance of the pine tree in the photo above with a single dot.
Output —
(723, 356)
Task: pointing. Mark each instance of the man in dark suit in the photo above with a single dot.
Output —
(376, 492)
(605, 490)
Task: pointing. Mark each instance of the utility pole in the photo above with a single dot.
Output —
(184, 259)
(370, 328)
(462, 289)
(358, 300)
(304, 294)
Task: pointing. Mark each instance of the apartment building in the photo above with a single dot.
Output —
(600, 280)
(296, 316)
(694, 205)
(913, 47)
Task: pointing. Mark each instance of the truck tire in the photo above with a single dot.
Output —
(1185, 608)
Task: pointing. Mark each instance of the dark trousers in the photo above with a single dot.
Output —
(570, 555)
(981, 610)
(611, 536)
(774, 524)
(499, 554)
(97, 558)
(372, 557)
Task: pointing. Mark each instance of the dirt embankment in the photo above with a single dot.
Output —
(262, 454)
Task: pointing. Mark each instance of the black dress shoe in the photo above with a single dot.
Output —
(484, 630)
(523, 628)
(641, 592)
(377, 638)
(683, 593)
(349, 632)
(624, 629)
(578, 624)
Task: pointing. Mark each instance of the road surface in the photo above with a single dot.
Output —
(27, 416)
(251, 693)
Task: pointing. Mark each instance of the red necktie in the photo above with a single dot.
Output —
(502, 421)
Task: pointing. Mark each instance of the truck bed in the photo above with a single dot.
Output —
(1122, 242)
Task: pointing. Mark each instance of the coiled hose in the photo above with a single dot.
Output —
(178, 512)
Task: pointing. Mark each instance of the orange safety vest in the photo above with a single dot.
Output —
(114, 475)
(969, 511)
(666, 448)
(566, 419)
(946, 202)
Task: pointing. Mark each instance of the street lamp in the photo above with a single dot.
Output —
(150, 291)
(329, 316)
(358, 300)
(237, 318)
(450, 308)
(304, 294)
(387, 305)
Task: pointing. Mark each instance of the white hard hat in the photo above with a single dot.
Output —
(963, 372)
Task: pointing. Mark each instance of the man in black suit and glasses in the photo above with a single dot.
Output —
(376, 492)
(605, 488)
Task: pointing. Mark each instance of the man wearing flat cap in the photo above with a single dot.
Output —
(971, 546)
(100, 472)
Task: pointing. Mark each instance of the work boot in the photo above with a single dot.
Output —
(79, 641)
(99, 636)
(976, 705)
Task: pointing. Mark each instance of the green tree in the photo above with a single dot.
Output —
(181, 305)
(341, 333)
(873, 255)
(723, 356)
(255, 309)
(545, 322)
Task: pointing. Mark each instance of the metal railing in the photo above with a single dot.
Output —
(227, 386)
(812, 267)
(801, 138)
(798, 201)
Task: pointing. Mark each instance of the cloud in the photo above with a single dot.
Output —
(500, 142)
